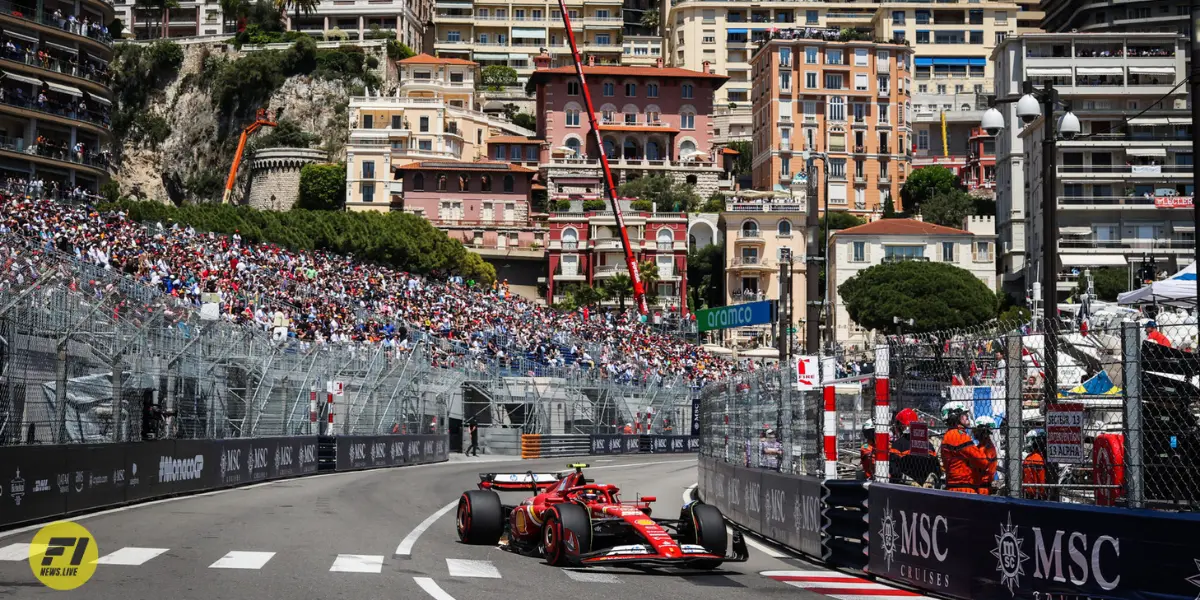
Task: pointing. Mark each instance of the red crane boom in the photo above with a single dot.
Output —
(261, 119)
(639, 291)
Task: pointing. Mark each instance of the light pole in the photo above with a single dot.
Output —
(1032, 104)
(812, 328)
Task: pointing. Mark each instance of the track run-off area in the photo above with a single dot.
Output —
(389, 533)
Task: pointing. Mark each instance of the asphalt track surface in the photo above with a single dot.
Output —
(374, 535)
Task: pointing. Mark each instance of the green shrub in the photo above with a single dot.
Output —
(590, 205)
(641, 205)
(322, 187)
(562, 205)
(399, 51)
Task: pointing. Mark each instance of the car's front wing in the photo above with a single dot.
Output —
(646, 555)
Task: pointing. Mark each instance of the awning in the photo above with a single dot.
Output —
(1075, 230)
(1152, 70)
(1100, 71)
(483, 56)
(21, 36)
(1044, 72)
(1146, 151)
(22, 78)
(100, 100)
(518, 56)
(1179, 120)
(1149, 121)
(978, 62)
(1093, 260)
(737, 31)
(528, 32)
(1183, 228)
(952, 62)
(924, 62)
(61, 47)
(455, 4)
(64, 89)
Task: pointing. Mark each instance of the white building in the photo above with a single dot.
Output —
(1125, 183)
(889, 240)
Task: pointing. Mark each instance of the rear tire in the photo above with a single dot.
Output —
(561, 518)
(480, 518)
(706, 527)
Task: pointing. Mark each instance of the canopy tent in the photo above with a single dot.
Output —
(1177, 290)
(1100, 384)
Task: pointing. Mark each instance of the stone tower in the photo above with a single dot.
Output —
(275, 176)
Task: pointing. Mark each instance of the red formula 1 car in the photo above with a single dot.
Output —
(573, 521)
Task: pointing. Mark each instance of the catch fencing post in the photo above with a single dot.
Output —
(829, 430)
(1014, 373)
(329, 407)
(1131, 351)
(883, 412)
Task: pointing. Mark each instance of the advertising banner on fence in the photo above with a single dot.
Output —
(784, 508)
(372, 451)
(617, 443)
(974, 547)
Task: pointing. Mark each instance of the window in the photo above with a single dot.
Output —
(603, 39)
(687, 120)
(610, 88)
(922, 37)
(860, 81)
(710, 16)
(368, 170)
(941, 89)
(785, 168)
(897, 17)
(833, 81)
(509, 184)
(785, 228)
(424, 124)
(653, 116)
(837, 168)
(898, 36)
(631, 118)
(976, 37)
(837, 109)
(709, 39)
(947, 251)
(368, 192)
(810, 56)
(810, 80)
(441, 182)
(368, 122)
(631, 90)
(833, 57)
(923, 139)
(922, 17)
(651, 90)
(531, 153)
(573, 117)
(1000, 35)
(976, 15)
(687, 91)
(860, 57)
(785, 57)
(811, 17)
(418, 182)
(894, 253)
(572, 88)
(883, 112)
(453, 36)
(860, 250)
(397, 122)
(608, 116)
(1001, 17)
(785, 82)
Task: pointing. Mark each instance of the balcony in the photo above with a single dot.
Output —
(750, 263)
(785, 146)
(754, 236)
(1129, 245)
(47, 20)
(885, 178)
(860, 149)
(1106, 202)
(17, 146)
(58, 109)
(772, 206)
(897, 258)
(744, 297)
(1108, 171)
(608, 244)
(665, 246)
(610, 270)
(55, 65)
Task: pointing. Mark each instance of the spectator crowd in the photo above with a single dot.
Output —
(319, 297)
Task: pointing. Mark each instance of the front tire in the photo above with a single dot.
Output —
(560, 519)
(706, 527)
(480, 518)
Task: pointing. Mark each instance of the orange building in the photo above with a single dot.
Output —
(831, 93)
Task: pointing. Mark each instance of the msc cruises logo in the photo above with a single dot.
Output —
(888, 536)
(1009, 556)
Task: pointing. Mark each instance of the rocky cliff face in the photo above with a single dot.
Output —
(194, 160)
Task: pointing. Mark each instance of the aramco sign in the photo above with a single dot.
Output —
(741, 315)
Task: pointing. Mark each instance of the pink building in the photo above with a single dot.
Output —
(484, 205)
(585, 249)
(653, 121)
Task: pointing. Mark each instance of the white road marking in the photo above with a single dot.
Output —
(19, 552)
(432, 588)
(591, 577)
(851, 584)
(357, 563)
(130, 556)
(240, 559)
(406, 545)
(810, 573)
(472, 568)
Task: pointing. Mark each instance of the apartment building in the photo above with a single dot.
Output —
(847, 98)
(952, 40)
(1089, 16)
(55, 100)
(759, 234)
(433, 116)
(641, 50)
(513, 32)
(854, 250)
(484, 205)
(653, 121)
(1124, 184)
(585, 249)
(356, 20)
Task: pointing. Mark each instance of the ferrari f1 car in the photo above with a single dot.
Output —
(573, 521)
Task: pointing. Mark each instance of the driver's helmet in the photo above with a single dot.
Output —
(591, 495)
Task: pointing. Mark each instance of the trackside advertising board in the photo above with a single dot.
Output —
(976, 547)
(739, 315)
(781, 507)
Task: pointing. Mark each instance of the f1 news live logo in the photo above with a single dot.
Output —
(63, 555)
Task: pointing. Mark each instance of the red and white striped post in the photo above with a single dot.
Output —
(829, 418)
(329, 405)
(312, 405)
(883, 412)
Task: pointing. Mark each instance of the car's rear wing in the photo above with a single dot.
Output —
(533, 482)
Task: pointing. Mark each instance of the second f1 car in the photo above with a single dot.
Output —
(573, 521)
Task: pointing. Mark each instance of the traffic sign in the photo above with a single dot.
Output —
(739, 315)
(808, 373)
(1064, 433)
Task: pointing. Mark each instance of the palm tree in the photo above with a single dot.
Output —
(164, 10)
(232, 10)
(306, 6)
(621, 286)
(650, 20)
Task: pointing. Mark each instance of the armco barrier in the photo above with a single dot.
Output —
(783, 508)
(976, 547)
(46, 482)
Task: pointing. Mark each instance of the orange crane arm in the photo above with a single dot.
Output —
(260, 122)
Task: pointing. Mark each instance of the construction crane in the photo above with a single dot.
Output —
(261, 119)
(639, 291)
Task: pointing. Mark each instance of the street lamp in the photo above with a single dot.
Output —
(815, 307)
(1032, 104)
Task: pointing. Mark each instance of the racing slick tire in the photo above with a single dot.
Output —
(560, 518)
(705, 526)
(480, 518)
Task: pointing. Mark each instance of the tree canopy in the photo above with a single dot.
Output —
(706, 277)
(322, 187)
(948, 208)
(1109, 282)
(925, 183)
(670, 196)
(400, 240)
(935, 295)
(495, 77)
